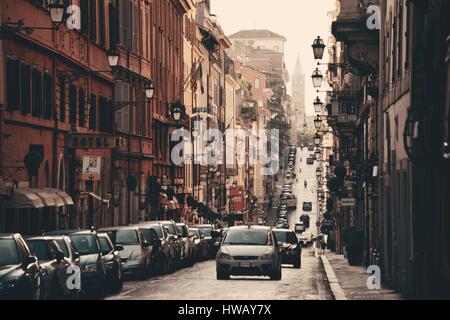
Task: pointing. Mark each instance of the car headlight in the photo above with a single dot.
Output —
(224, 256)
(90, 268)
(268, 255)
(137, 258)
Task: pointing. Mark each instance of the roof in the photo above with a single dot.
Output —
(256, 34)
(283, 230)
(251, 227)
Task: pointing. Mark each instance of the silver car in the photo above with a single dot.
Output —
(249, 250)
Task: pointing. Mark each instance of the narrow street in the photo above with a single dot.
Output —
(199, 282)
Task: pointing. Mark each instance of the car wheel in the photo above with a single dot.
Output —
(222, 276)
(276, 276)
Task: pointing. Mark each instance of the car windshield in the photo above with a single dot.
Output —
(63, 246)
(206, 231)
(286, 237)
(158, 231)
(104, 244)
(171, 228)
(124, 237)
(183, 231)
(8, 252)
(250, 237)
(40, 249)
(85, 243)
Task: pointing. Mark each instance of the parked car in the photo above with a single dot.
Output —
(299, 228)
(200, 243)
(310, 161)
(93, 269)
(306, 220)
(207, 230)
(53, 266)
(306, 238)
(136, 256)
(249, 250)
(113, 262)
(310, 147)
(291, 202)
(20, 278)
(187, 254)
(177, 240)
(167, 249)
(307, 206)
(290, 247)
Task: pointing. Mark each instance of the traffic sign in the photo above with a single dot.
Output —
(348, 202)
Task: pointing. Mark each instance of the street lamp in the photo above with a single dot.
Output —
(317, 139)
(318, 105)
(318, 122)
(149, 88)
(56, 12)
(318, 48)
(317, 78)
(113, 58)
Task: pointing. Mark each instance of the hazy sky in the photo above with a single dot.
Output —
(300, 21)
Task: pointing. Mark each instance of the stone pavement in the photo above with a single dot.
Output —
(350, 282)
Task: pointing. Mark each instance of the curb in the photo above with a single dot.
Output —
(336, 289)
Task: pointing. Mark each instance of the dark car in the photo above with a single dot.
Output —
(187, 253)
(53, 267)
(290, 248)
(310, 147)
(93, 262)
(176, 238)
(20, 277)
(307, 206)
(167, 249)
(136, 255)
(211, 237)
(200, 244)
(310, 161)
(113, 263)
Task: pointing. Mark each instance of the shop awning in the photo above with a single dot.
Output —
(48, 198)
(64, 196)
(23, 199)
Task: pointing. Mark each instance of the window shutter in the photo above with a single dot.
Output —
(126, 110)
(113, 26)
(62, 101)
(81, 108)
(12, 84)
(101, 23)
(48, 97)
(84, 8)
(36, 93)
(93, 20)
(72, 104)
(93, 113)
(129, 23)
(118, 98)
(25, 89)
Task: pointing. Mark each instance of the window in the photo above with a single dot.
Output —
(113, 26)
(105, 116)
(36, 79)
(81, 108)
(12, 84)
(122, 93)
(48, 97)
(275, 48)
(62, 101)
(72, 104)
(93, 113)
(84, 8)
(25, 87)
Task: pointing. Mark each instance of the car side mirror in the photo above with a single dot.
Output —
(202, 236)
(217, 244)
(29, 260)
(146, 244)
(76, 255)
(59, 256)
(105, 252)
(119, 248)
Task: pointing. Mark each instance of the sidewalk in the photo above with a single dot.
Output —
(350, 282)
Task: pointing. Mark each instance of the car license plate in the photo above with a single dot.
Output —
(245, 264)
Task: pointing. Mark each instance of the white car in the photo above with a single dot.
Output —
(249, 250)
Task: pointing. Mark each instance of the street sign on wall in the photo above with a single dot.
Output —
(92, 166)
(92, 141)
(348, 202)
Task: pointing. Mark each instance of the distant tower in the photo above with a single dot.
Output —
(298, 90)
